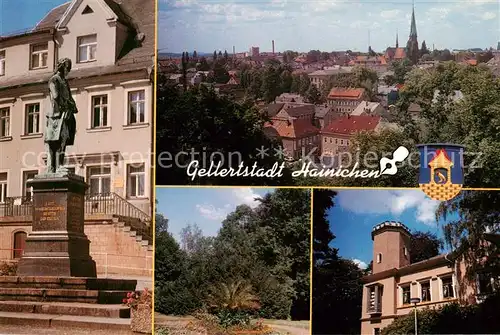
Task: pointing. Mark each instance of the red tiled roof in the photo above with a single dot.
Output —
(352, 124)
(471, 61)
(346, 93)
(400, 53)
(297, 128)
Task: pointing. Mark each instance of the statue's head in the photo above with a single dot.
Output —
(63, 66)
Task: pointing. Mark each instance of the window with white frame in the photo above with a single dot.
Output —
(3, 186)
(4, 122)
(32, 119)
(28, 190)
(99, 111)
(136, 107)
(87, 48)
(425, 291)
(2, 62)
(99, 178)
(405, 294)
(447, 287)
(136, 180)
(39, 56)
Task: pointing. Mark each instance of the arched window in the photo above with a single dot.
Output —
(19, 243)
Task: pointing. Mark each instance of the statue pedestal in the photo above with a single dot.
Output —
(57, 245)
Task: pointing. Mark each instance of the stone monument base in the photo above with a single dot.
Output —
(57, 245)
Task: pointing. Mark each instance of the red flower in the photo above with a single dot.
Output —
(129, 294)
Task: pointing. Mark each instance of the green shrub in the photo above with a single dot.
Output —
(173, 298)
(451, 319)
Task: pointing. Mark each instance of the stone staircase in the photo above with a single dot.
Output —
(135, 228)
(48, 302)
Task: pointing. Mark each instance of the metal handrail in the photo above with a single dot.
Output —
(101, 203)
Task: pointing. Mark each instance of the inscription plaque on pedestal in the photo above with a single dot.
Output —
(57, 245)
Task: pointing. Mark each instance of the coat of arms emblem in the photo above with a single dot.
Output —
(441, 170)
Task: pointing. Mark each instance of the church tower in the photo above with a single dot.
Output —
(412, 45)
(397, 40)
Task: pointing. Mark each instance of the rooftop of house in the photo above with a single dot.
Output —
(298, 110)
(273, 108)
(346, 93)
(366, 107)
(348, 125)
(135, 55)
(389, 225)
(321, 110)
(294, 129)
(439, 260)
(290, 97)
(414, 107)
(332, 71)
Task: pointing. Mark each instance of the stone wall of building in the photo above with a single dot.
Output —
(114, 246)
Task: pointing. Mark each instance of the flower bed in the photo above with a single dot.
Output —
(141, 311)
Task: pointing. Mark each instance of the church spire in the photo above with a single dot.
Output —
(397, 40)
(413, 28)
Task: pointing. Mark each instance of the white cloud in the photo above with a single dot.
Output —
(390, 202)
(211, 212)
(390, 14)
(488, 16)
(436, 13)
(362, 265)
(245, 196)
(237, 196)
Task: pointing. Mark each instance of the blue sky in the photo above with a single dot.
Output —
(205, 207)
(18, 15)
(207, 25)
(356, 212)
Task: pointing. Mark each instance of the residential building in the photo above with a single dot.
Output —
(290, 97)
(303, 111)
(395, 280)
(111, 45)
(368, 108)
(375, 63)
(320, 77)
(336, 137)
(298, 135)
(345, 100)
(324, 114)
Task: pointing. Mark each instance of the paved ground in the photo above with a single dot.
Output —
(25, 330)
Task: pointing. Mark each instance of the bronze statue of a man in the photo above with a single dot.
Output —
(61, 123)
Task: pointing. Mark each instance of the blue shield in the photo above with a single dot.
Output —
(445, 174)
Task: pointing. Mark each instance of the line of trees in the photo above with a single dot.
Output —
(259, 254)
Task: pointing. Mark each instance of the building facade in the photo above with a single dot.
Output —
(395, 280)
(345, 100)
(336, 136)
(111, 46)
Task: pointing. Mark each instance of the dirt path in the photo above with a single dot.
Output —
(289, 329)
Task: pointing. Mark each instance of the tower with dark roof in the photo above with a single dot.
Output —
(412, 45)
(397, 40)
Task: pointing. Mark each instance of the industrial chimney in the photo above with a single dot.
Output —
(273, 47)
